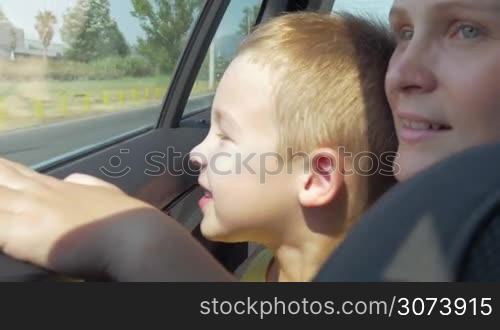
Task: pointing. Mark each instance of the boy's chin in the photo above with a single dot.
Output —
(210, 229)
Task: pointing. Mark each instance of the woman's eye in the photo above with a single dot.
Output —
(469, 32)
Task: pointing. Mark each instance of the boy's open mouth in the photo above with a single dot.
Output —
(205, 199)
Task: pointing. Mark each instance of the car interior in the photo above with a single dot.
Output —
(129, 144)
(178, 121)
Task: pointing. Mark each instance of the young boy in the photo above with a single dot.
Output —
(300, 135)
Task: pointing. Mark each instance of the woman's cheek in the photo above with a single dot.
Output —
(476, 112)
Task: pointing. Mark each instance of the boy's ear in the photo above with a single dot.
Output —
(320, 185)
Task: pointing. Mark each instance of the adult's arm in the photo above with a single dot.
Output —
(143, 245)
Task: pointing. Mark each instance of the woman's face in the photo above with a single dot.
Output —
(443, 81)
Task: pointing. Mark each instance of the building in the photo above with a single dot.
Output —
(10, 37)
(34, 48)
(23, 47)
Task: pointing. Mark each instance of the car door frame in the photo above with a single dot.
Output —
(132, 150)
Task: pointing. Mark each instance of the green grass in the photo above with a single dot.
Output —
(31, 103)
(94, 86)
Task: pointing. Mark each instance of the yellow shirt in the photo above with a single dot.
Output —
(258, 268)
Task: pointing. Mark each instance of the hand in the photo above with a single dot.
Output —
(38, 212)
(83, 226)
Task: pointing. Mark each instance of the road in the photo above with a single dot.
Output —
(38, 145)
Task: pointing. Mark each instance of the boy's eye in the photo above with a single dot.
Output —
(222, 136)
(404, 34)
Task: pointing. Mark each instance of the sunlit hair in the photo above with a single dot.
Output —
(329, 86)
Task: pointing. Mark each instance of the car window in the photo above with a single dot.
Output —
(373, 8)
(238, 21)
(76, 73)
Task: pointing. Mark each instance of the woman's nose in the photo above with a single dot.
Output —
(411, 71)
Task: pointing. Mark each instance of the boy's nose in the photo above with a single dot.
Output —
(195, 163)
(197, 158)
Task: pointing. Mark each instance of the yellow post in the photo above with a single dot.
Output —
(39, 110)
(3, 113)
(158, 93)
(121, 96)
(105, 98)
(87, 102)
(135, 95)
(64, 105)
(147, 94)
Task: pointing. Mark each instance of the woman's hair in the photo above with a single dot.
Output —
(329, 86)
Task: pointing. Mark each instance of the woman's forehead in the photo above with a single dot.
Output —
(489, 5)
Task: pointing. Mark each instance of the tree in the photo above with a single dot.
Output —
(166, 24)
(12, 35)
(45, 21)
(91, 33)
(2, 15)
(248, 21)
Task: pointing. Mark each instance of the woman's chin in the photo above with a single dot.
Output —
(407, 165)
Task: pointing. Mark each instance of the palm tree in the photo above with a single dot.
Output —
(13, 43)
(248, 21)
(45, 21)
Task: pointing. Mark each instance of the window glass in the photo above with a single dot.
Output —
(93, 69)
(237, 23)
(373, 8)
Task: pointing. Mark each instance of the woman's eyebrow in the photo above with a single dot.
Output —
(476, 5)
(444, 6)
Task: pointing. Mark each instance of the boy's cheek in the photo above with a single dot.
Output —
(224, 219)
(222, 164)
(236, 164)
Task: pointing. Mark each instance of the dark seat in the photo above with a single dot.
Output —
(442, 225)
(15, 271)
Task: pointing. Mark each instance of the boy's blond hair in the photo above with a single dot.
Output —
(329, 84)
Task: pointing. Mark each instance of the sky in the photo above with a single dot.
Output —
(22, 13)
(379, 8)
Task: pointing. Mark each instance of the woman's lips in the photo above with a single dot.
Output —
(413, 130)
(411, 136)
(207, 198)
